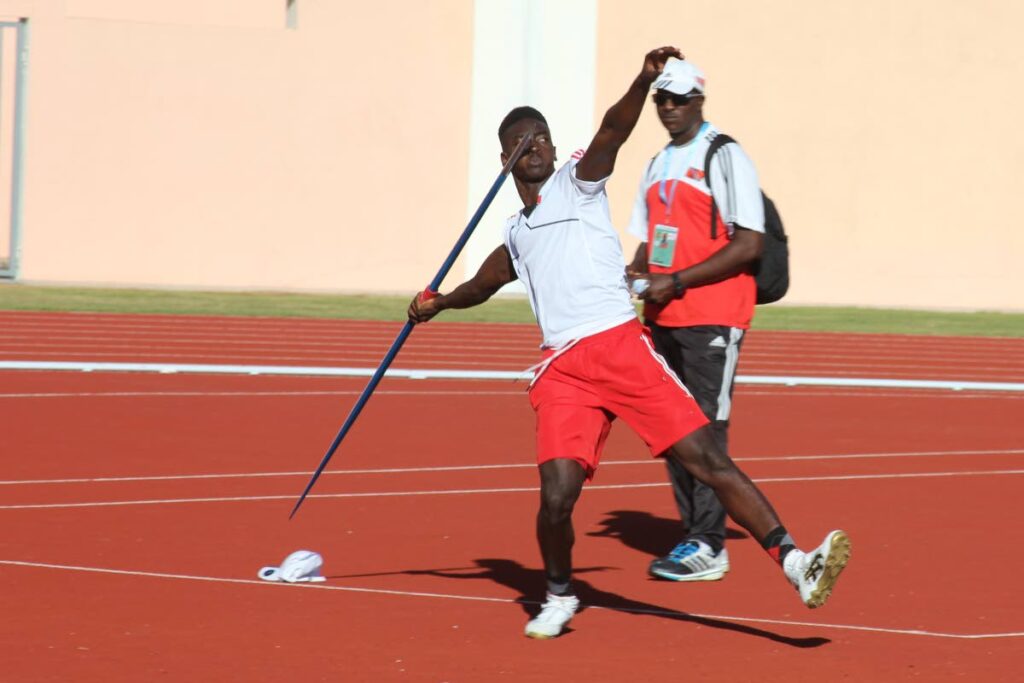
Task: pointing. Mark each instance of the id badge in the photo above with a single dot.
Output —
(663, 245)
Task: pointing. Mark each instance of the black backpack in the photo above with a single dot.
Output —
(771, 272)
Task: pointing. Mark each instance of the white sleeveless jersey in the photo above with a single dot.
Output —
(569, 257)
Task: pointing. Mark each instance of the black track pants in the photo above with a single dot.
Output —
(705, 359)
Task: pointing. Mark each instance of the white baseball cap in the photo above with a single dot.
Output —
(680, 77)
(301, 566)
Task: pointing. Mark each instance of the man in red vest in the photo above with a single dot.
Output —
(700, 299)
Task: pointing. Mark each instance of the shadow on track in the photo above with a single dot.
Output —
(651, 535)
(527, 582)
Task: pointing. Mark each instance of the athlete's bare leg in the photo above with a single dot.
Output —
(814, 573)
(744, 502)
(561, 482)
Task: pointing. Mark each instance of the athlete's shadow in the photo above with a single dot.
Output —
(526, 582)
(642, 531)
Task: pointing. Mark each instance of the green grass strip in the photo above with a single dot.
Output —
(18, 297)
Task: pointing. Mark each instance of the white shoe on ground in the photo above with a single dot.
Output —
(815, 573)
(554, 615)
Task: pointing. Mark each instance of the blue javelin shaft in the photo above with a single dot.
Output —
(396, 346)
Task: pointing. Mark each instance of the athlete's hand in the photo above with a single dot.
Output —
(661, 291)
(424, 306)
(655, 60)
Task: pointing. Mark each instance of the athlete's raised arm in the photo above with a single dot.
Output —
(618, 122)
(495, 272)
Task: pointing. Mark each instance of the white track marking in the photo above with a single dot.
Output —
(901, 394)
(70, 320)
(478, 598)
(500, 466)
(31, 344)
(946, 378)
(855, 392)
(942, 379)
(743, 391)
(996, 368)
(515, 489)
(257, 394)
(461, 331)
(169, 342)
(763, 349)
(178, 347)
(780, 341)
(236, 359)
(342, 352)
(757, 354)
(955, 385)
(317, 371)
(904, 454)
(269, 370)
(791, 343)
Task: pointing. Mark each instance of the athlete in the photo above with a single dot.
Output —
(597, 361)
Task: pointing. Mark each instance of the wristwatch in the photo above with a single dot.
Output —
(678, 285)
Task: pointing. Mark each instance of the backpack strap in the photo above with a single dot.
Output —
(720, 141)
(650, 165)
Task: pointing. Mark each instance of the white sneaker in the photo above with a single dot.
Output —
(815, 573)
(691, 561)
(554, 615)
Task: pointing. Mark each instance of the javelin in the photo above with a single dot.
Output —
(396, 346)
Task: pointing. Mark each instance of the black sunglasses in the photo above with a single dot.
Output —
(662, 98)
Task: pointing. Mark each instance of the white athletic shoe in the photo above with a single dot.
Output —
(815, 573)
(691, 561)
(554, 615)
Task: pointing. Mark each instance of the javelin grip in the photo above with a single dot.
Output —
(432, 289)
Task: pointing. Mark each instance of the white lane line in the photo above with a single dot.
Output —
(478, 598)
(743, 391)
(795, 341)
(500, 348)
(120, 338)
(172, 368)
(779, 341)
(371, 331)
(342, 352)
(149, 342)
(809, 362)
(995, 367)
(161, 320)
(492, 370)
(231, 359)
(955, 385)
(500, 466)
(888, 393)
(788, 352)
(74, 320)
(516, 489)
(257, 394)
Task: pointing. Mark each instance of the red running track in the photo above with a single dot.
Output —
(440, 345)
(136, 509)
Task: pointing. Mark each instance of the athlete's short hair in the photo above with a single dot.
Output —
(518, 114)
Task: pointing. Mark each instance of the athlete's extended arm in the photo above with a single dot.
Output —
(743, 249)
(495, 273)
(599, 161)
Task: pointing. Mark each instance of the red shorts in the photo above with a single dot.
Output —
(615, 373)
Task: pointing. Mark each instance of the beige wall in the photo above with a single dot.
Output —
(887, 132)
(232, 152)
(200, 143)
